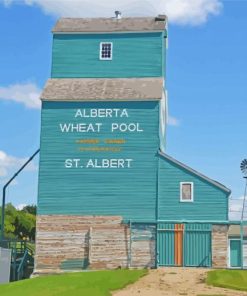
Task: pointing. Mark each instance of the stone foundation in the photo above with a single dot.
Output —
(71, 243)
(91, 242)
(219, 246)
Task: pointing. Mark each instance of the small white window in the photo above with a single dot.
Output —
(186, 192)
(105, 51)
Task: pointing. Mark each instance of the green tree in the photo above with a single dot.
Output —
(31, 209)
(20, 224)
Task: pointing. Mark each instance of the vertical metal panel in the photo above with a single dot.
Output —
(197, 245)
(166, 244)
(5, 262)
(134, 55)
(245, 253)
(235, 253)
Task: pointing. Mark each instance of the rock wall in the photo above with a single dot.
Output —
(90, 242)
(219, 246)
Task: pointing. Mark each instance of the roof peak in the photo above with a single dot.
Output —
(194, 172)
(114, 18)
(110, 24)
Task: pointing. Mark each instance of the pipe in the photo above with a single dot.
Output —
(5, 187)
(245, 191)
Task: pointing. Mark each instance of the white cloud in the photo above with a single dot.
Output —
(27, 94)
(235, 208)
(193, 12)
(20, 206)
(183, 12)
(9, 164)
(173, 121)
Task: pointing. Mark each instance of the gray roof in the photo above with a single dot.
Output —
(134, 24)
(107, 89)
(184, 166)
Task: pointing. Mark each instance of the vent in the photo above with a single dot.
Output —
(118, 14)
(160, 18)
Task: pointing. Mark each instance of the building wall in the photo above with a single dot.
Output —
(73, 243)
(66, 243)
(143, 245)
(219, 246)
(210, 202)
(129, 192)
(134, 55)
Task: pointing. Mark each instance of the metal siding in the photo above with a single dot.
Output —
(134, 55)
(235, 253)
(130, 193)
(210, 202)
(166, 254)
(245, 253)
(197, 245)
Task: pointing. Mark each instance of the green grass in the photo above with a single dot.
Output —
(97, 283)
(231, 279)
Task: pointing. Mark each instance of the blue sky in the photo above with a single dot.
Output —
(206, 82)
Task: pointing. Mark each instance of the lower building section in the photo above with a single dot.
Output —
(237, 246)
(70, 243)
(219, 246)
(186, 244)
(92, 242)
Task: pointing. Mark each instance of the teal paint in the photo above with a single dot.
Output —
(210, 202)
(134, 55)
(127, 192)
(197, 245)
(165, 244)
(164, 36)
(221, 222)
(75, 264)
(235, 253)
(150, 190)
(130, 245)
(242, 244)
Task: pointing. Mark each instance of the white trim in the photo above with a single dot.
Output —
(100, 51)
(166, 39)
(229, 252)
(217, 184)
(192, 192)
(107, 32)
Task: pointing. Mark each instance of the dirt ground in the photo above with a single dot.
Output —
(175, 282)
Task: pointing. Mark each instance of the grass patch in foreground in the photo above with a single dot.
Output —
(231, 279)
(95, 283)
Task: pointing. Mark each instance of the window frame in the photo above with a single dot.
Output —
(181, 192)
(100, 51)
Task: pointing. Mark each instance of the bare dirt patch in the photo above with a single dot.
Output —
(175, 282)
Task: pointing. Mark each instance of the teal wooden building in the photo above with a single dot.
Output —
(109, 196)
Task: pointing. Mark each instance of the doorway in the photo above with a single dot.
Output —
(234, 253)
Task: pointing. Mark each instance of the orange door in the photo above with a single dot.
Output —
(178, 244)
